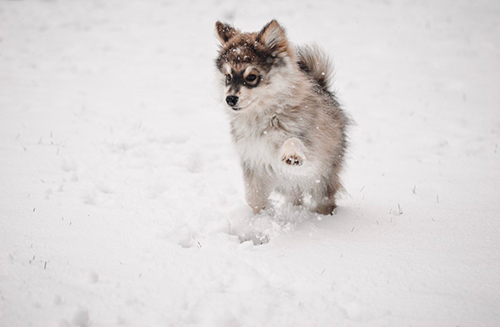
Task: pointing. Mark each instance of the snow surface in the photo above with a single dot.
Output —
(121, 197)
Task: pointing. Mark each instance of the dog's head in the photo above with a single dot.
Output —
(252, 64)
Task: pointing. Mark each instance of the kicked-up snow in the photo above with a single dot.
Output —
(121, 196)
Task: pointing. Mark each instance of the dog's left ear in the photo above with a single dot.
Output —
(273, 37)
(224, 31)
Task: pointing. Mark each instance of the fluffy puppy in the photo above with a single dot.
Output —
(286, 123)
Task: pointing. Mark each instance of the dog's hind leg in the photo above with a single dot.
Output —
(324, 197)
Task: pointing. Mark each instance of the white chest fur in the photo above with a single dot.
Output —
(257, 141)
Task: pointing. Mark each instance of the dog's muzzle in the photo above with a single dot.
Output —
(232, 100)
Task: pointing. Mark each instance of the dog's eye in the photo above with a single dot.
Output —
(251, 78)
(228, 78)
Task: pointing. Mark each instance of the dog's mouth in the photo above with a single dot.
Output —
(238, 108)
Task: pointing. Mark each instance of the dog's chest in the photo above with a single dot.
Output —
(257, 142)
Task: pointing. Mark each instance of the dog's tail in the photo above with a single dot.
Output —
(316, 64)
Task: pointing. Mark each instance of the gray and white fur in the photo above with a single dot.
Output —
(286, 124)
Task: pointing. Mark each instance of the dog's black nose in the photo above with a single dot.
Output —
(232, 100)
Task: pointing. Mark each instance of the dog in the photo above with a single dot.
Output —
(287, 126)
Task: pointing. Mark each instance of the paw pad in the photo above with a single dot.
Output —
(292, 160)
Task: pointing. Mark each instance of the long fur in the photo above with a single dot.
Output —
(314, 62)
(287, 126)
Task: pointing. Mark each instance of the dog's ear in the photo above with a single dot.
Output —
(273, 37)
(224, 31)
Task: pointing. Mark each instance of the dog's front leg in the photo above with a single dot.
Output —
(258, 188)
(292, 152)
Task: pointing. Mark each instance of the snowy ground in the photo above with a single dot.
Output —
(121, 198)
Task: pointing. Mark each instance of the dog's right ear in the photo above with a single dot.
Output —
(224, 31)
(273, 36)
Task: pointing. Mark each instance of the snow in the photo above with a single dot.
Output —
(121, 196)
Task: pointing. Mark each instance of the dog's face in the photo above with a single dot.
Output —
(249, 62)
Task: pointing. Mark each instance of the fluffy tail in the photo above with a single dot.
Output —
(315, 63)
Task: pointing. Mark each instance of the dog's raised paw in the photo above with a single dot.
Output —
(292, 159)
